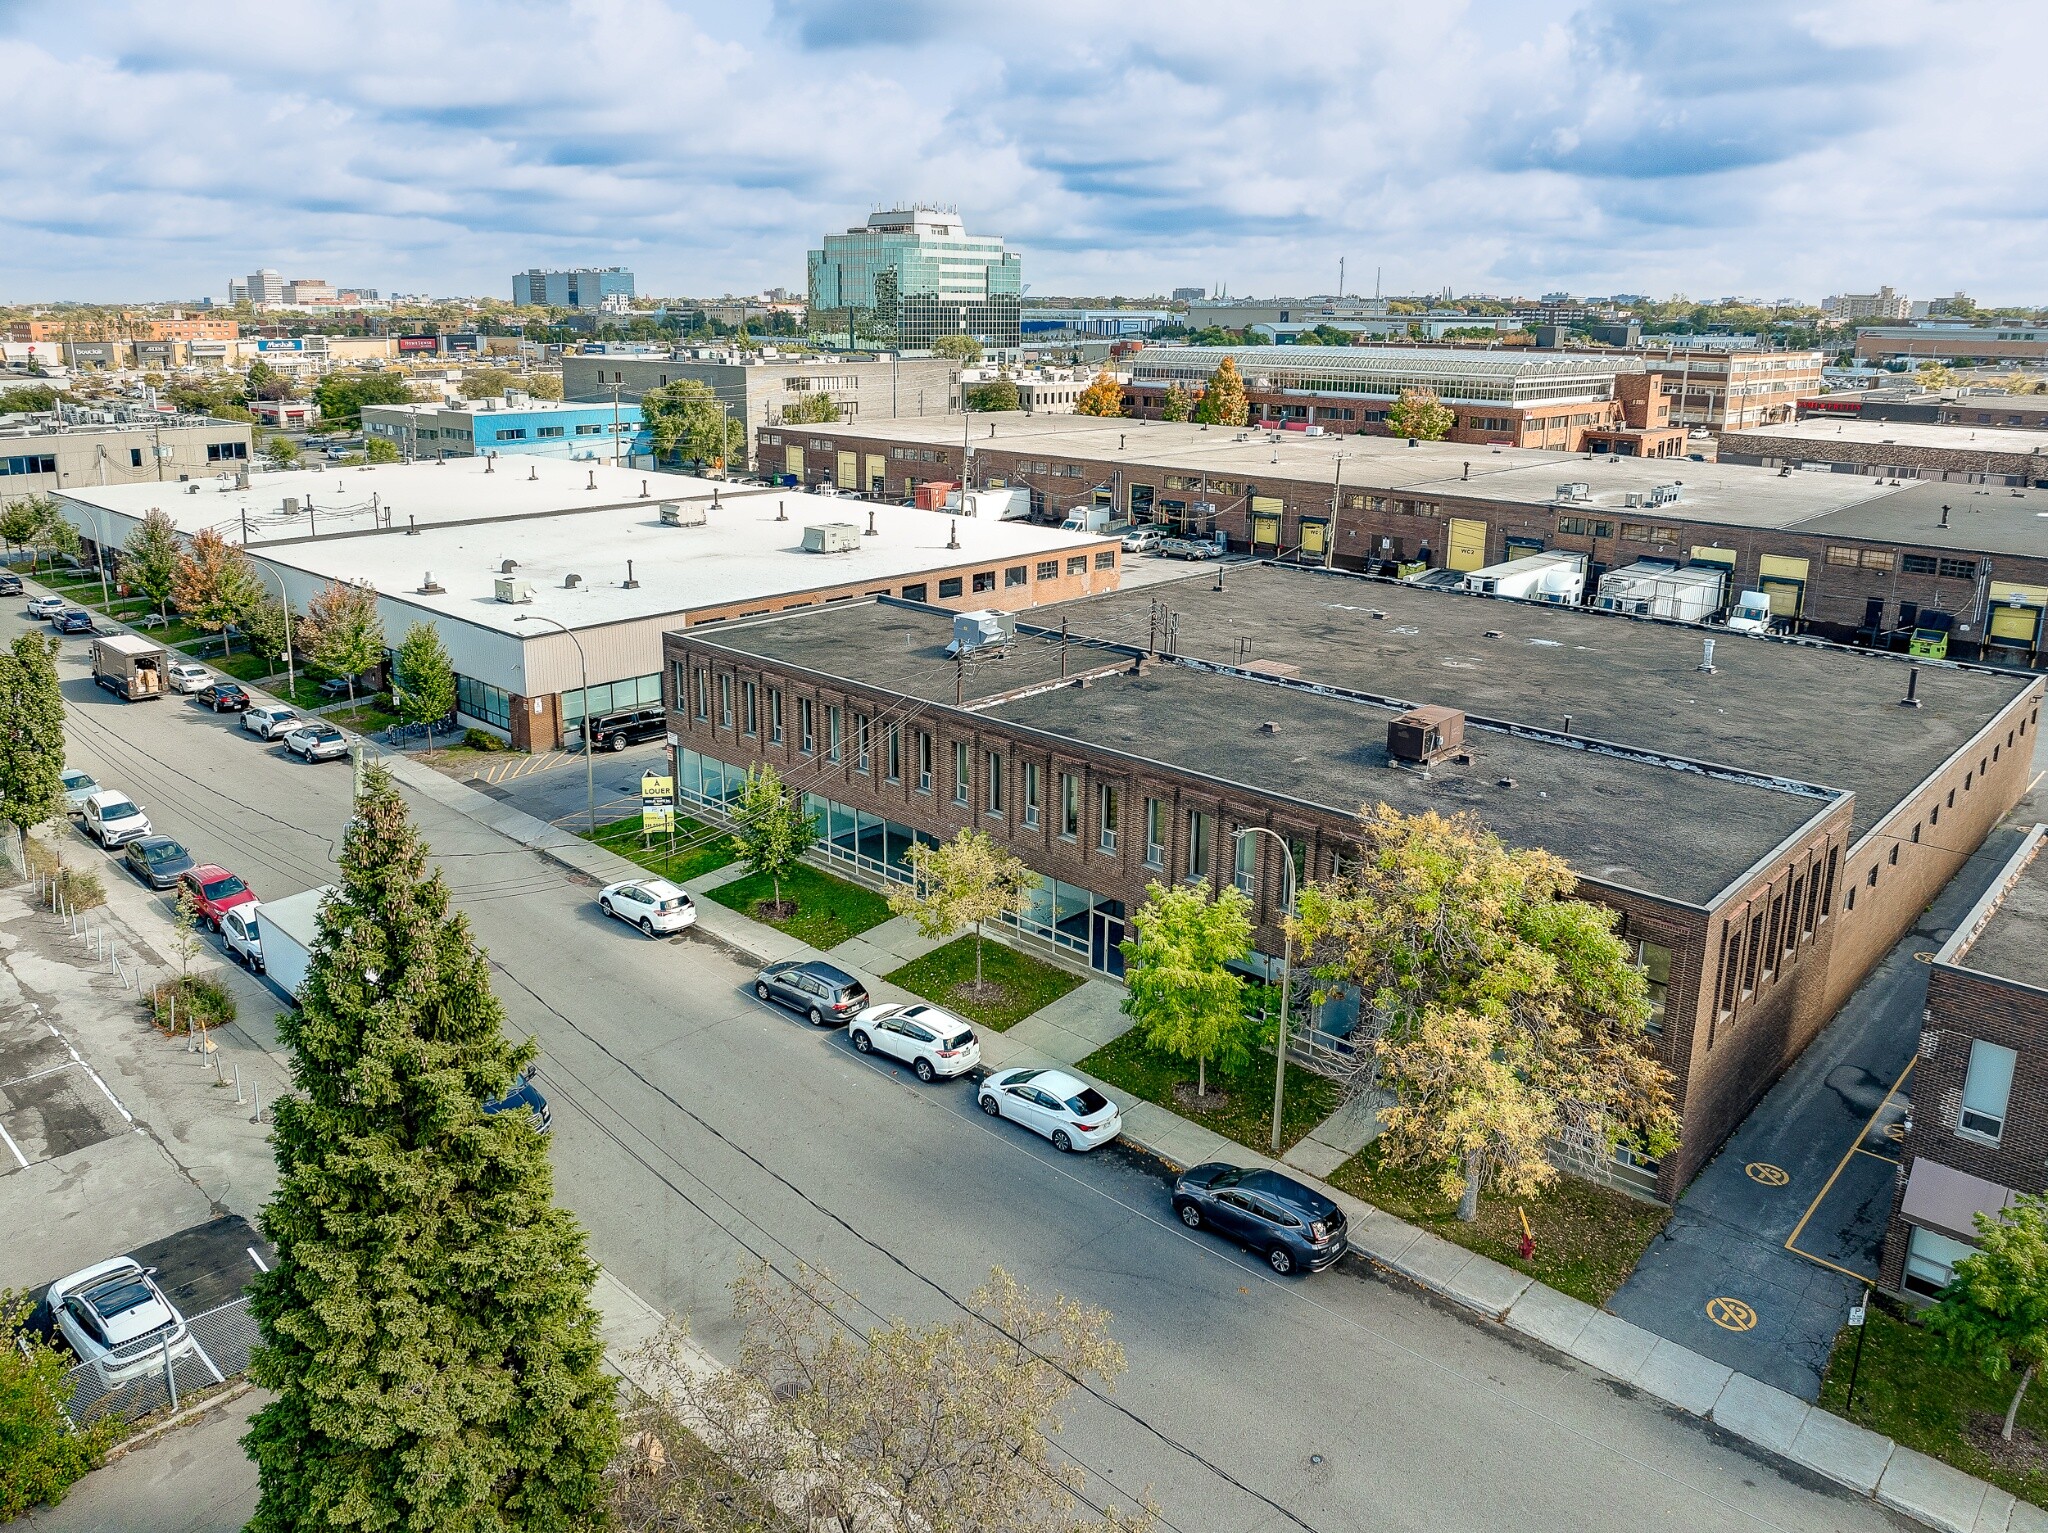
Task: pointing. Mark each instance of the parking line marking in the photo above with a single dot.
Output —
(89, 1070)
(255, 1258)
(218, 1376)
(9, 1138)
(23, 1080)
(1854, 1145)
(1889, 1160)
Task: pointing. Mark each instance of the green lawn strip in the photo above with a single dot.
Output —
(828, 909)
(946, 975)
(1244, 1111)
(1588, 1237)
(365, 718)
(1947, 1410)
(713, 849)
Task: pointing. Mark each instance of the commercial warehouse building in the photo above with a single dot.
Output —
(503, 556)
(1951, 341)
(44, 453)
(1837, 554)
(2005, 455)
(1761, 852)
(514, 426)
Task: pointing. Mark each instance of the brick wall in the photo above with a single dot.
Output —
(1963, 460)
(1963, 1006)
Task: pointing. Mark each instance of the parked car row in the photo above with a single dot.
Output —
(57, 612)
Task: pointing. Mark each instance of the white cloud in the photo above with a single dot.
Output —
(1746, 146)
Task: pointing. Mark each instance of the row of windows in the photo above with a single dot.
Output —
(29, 463)
(482, 701)
(1754, 952)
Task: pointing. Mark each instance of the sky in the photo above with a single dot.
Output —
(1790, 148)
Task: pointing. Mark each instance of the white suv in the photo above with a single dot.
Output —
(115, 819)
(933, 1042)
(188, 676)
(270, 720)
(241, 933)
(116, 1319)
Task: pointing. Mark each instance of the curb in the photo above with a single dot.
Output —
(183, 1418)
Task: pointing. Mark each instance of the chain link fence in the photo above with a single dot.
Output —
(223, 1339)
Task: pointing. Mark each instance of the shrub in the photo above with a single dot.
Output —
(82, 890)
(194, 996)
(45, 1455)
(482, 740)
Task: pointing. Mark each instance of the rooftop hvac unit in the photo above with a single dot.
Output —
(985, 630)
(831, 538)
(1574, 491)
(682, 513)
(1633, 499)
(513, 591)
(1422, 735)
(1662, 495)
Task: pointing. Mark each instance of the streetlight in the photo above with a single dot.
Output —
(589, 772)
(1286, 973)
(284, 600)
(100, 534)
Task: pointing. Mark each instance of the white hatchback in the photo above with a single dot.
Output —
(270, 720)
(933, 1042)
(1071, 1113)
(241, 933)
(654, 905)
(188, 676)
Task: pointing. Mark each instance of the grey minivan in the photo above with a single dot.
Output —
(823, 992)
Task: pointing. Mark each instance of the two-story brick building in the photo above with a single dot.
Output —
(1978, 1135)
(1760, 853)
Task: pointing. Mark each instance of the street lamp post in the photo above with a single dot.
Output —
(1286, 974)
(589, 772)
(100, 533)
(284, 600)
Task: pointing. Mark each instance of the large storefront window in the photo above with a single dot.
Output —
(612, 697)
(481, 701)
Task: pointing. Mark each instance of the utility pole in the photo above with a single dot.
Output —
(615, 425)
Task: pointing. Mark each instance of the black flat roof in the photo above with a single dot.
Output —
(2014, 941)
(1798, 709)
(1630, 820)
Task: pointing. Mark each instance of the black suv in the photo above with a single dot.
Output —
(1294, 1227)
(825, 993)
(616, 731)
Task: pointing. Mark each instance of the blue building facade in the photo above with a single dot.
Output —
(477, 429)
(584, 287)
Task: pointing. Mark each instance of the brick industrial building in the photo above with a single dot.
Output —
(1948, 341)
(1978, 1135)
(1762, 853)
(1837, 554)
(2006, 455)
(1572, 403)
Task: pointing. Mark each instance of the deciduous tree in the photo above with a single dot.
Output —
(964, 349)
(1223, 401)
(966, 881)
(282, 451)
(1178, 405)
(150, 559)
(216, 585)
(1993, 1315)
(381, 450)
(771, 828)
(1105, 396)
(424, 688)
(341, 396)
(813, 409)
(264, 626)
(942, 1428)
(427, 1330)
(1420, 415)
(999, 393)
(544, 385)
(31, 732)
(488, 383)
(685, 417)
(342, 633)
(41, 1454)
(1504, 1013)
(1178, 988)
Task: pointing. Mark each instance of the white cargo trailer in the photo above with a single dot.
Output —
(1546, 577)
(1659, 588)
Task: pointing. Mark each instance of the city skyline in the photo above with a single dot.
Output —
(1585, 146)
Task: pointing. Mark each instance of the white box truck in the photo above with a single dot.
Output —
(1088, 519)
(992, 505)
(1546, 577)
(1659, 588)
(288, 928)
(1752, 613)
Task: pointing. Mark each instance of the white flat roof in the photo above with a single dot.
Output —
(1819, 430)
(544, 515)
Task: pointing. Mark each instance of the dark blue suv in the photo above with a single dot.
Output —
(524, 1094)
(1294, 1227)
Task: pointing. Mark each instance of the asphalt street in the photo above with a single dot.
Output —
(696, 1130)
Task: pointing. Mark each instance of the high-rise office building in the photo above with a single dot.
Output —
(585, 287)
(265, 286)
(910, 275)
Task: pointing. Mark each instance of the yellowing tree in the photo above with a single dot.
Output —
(963, 882)
(1178, 405)
(1105, 396)
(1420, 416)
(1223, 402)
(1503, 1013)
(216, 585)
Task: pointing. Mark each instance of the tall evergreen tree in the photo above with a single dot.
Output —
(428, 1329)
(31, 732)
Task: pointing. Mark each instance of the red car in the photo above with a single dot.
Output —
(214, 890)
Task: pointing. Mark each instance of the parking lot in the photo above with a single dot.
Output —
(52, 1103)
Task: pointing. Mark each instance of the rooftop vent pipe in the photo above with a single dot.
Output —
(871, 521)
(1912, 697)
(533, 473)
(428, 587)
(1707, 659)
(643, 489)
(571, 582)
(412, 525)
(590, 486)
(630, 583)
(781, 511)
(507, 566)
(953, 532)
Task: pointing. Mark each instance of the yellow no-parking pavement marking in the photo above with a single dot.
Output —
(1731, 1314)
